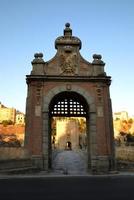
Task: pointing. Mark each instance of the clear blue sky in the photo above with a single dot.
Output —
(104, 26)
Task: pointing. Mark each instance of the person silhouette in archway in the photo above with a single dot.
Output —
(69, 145)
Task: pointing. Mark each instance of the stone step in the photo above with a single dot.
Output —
(22, 170)
(15, 163)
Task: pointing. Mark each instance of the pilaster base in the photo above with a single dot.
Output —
(37, 161)
(102, 164)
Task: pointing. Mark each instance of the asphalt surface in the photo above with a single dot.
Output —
(67, 187)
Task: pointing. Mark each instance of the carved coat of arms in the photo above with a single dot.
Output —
(68, 63)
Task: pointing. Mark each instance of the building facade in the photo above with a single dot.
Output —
(68, 86)
(20, 118)
(7, 113)
(121, 115)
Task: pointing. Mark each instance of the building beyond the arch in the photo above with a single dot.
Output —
(69, 87)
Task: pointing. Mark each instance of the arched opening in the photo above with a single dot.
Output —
(69, 145)
(68, 138)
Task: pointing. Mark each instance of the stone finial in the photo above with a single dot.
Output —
(97, 59)
(38, 58)
(38, 55)
(67, 40)
(67, 30)
(67, 25)
(97, 56)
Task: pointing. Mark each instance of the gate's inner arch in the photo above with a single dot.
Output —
(68, 104)
(68, 132)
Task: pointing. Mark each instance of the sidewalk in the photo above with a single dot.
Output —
(43, 174)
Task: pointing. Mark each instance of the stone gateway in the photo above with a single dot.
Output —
(69, 124)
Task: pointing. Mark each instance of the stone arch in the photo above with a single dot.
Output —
(87, 96)
(91, 120)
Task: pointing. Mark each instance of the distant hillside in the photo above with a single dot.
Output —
(12, 135)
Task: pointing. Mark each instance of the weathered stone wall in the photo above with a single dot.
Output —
(125, 153)
(7, 153)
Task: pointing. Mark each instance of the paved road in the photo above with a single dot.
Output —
(71, 188)
(70, 161)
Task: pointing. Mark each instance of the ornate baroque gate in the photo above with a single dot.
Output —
(69, 86)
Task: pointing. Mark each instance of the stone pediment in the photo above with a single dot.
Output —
(68, 60)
